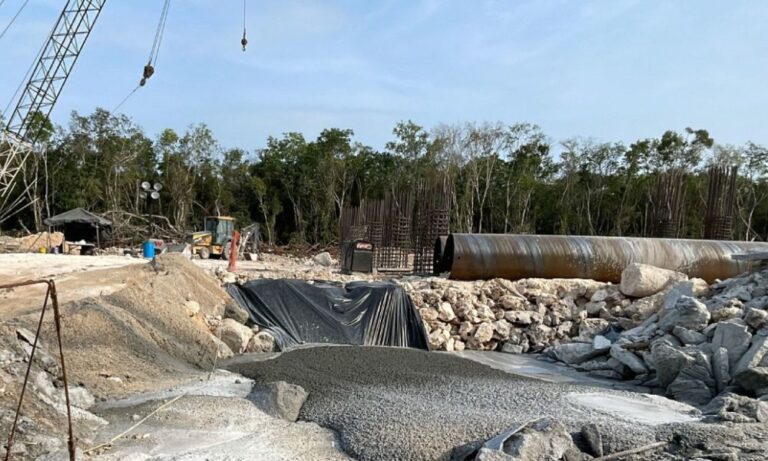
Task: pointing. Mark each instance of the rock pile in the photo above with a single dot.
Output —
(657, 328)
(694, 342)
(521, 316)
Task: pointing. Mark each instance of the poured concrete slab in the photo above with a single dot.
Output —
(531, 366)
(647, 409)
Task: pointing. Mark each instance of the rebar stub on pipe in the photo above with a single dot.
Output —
(510, 256)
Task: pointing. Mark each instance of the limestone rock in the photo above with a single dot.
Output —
(234, 334)
(484, 332)
(593, 440)
(687, 336)
(594, 309)
(466, 330)
(692, 391)
(737, 408)
(700, 287)
(262, 341)
(279, 399)
(502, 328)
(760, 303)
(512, 348)
(669, 361)
(629, 359)
(742, 293)
(756, 318)
(752, 379)
(726, 313)
(445, 312)
(598, 363)
(589, 328)
(513, 303)
(437, 339)
(324, 259)
(600, 342)
(428, 314)
(754, 355)
(228, 277)
(695, 383)
(641, 280)
(519, 317)
(543, 440)
(571, 353)
(688, 313)
(233, 311)
(721, 369)
(223, 351)
(734, 338)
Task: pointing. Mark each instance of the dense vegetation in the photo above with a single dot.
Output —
(508, 178)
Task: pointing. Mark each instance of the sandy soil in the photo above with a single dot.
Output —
(76, 277)
(15, 267)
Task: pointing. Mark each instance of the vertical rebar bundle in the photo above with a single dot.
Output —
(387, 223)
(668, 202)
(432, 221)
(402, 226)
(721, 203)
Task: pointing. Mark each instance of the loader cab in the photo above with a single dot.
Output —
(221, 228)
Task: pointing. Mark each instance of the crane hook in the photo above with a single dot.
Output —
(149, 70)
(244, 41)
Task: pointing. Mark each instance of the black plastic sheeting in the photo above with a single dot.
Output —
(361, 313)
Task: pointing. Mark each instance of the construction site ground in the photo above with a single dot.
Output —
(129, 343)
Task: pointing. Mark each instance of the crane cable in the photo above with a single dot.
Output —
(21, 8)
(244, 41)
(149, 69)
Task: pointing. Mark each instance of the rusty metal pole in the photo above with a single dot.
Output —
(57, 321)
(233, 252)
(49, 294)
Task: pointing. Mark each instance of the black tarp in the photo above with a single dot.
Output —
(77, 216)
(362, 313)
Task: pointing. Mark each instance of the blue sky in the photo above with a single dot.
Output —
(613, 70)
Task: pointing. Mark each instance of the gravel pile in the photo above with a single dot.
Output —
(389, 403)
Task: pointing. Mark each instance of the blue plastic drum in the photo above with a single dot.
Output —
(149, 249)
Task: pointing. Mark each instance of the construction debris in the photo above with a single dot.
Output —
(31, 243)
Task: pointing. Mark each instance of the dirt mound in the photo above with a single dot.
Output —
(142, 336)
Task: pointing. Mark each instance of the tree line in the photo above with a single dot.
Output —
(506, 179)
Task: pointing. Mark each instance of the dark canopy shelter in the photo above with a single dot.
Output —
(79, 224)
(361, 313)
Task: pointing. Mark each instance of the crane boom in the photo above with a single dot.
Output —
(38, 97)
(54, 64)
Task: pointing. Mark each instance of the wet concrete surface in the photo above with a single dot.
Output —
(389, 403)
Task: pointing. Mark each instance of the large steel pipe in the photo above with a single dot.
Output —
(485, 256)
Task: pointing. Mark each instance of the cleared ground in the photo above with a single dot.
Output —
(76, 277)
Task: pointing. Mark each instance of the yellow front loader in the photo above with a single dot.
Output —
(215, 240)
